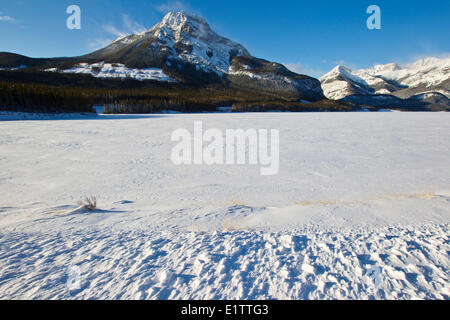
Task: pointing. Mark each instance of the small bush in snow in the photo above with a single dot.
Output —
(89, 203)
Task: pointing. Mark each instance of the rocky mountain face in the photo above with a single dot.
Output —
(426, 81)
(179, 42)
(258, 74)
(183, 48)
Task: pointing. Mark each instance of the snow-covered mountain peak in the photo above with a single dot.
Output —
(190, 39)
(180, 38)
(339, 69)
(334, 73)
(430, 62)
(342, 73)
(176, 20)
(179, 24)
(191, 29)
(341, 80)
(384, 68)
(425, 75)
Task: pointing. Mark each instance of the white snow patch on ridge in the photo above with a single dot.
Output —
(117, 70)
(14, 69)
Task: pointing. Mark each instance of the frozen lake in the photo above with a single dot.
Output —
(359, 209)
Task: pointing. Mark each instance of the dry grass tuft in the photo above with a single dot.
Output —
(89, 203)
(424, 195)
(237, 203)
(229, 225)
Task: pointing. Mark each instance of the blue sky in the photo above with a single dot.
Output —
(307, 36)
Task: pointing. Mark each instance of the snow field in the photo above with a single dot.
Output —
(301, 264)
(359, 210)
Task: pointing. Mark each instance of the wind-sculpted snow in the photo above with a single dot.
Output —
(360, 209)
(386, 263)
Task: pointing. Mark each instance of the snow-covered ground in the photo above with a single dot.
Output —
(360, 209)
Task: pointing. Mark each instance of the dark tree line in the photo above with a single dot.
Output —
(39, 98)
(29, 92)
(144, 106)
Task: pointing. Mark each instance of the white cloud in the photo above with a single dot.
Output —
(114, 31)
(172, 6)
(434, 54)
(5, 18)
(129, 26)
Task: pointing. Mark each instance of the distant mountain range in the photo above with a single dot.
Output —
(426, 80)
(183, 49)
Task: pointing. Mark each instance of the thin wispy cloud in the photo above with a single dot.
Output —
(114, 31)
(434, 54)
(132, 25)
(172, 6)
(5, 18)
(128, 26)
